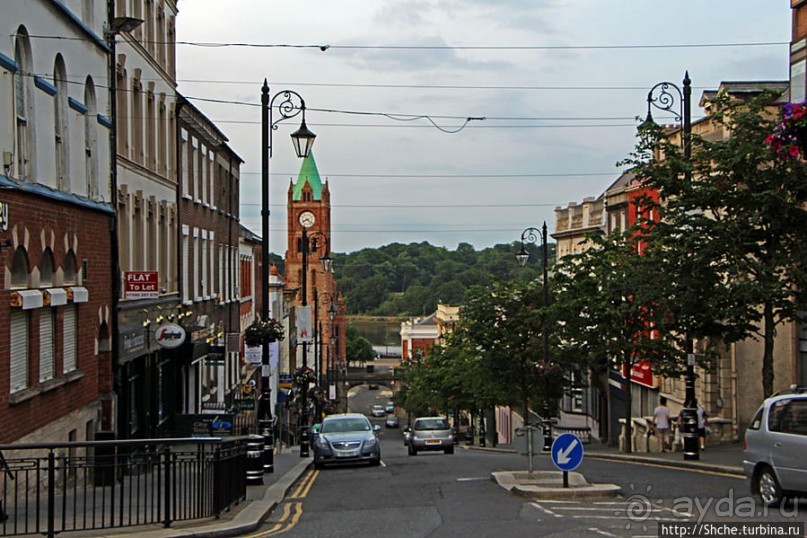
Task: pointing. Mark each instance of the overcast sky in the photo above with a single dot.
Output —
(560, 109)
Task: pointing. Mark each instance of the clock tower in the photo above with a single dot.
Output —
(309, 214)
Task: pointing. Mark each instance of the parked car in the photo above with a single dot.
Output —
(372, 386)
(346, 438)
(392, 421)
(390, 408)
(377, 411)
(775, 444)
(431, 433)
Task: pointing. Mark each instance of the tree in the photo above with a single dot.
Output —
(738, 206)
(609, 313)
(358, 348)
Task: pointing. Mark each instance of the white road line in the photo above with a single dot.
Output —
(544, 510)
(473, 479)
(560, 502)
(382, 463)
(601, 532)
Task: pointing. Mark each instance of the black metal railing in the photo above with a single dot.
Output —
(52, 488)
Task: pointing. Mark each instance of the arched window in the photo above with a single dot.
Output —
(70, 269)
(91, 139)
(19, 269)
(60, 124)
(46, 269)
(23, 105)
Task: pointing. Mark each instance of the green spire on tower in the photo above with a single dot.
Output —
(308, 174)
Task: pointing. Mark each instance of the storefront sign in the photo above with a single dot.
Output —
(142, 284)
(169, 335)
(253, 355)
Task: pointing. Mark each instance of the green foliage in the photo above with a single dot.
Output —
(412, 279)
(358, 348)
(734, 225)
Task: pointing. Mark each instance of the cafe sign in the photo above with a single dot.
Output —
(169, 335)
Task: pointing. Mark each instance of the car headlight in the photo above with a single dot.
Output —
(371, 441)
(321, 442)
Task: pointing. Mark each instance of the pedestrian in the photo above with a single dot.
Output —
(703, 417)
(661, 423)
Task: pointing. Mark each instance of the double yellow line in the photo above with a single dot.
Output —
(292, 509)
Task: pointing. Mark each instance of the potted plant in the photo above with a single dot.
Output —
(263, 332)
(789, 137)
(304, 377)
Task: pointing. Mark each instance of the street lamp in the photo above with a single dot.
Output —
(662, 98)
(307, 220)
(303, 139)
(533, 235)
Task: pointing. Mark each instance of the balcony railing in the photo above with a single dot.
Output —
(73, 487)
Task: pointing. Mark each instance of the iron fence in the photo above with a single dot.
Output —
(52, 488)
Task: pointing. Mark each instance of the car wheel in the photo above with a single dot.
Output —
(768, 487)
(375, 462)
(449, 450)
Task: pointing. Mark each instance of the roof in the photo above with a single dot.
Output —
(621, 182)
(308, 174)
(738, 88)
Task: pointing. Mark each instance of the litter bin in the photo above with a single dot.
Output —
(104, 460)
(254, 460)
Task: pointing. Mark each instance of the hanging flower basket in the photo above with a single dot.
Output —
(263, 332)
(789, 137)
(304, 377)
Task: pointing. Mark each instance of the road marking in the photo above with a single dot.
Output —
(305, 485)
(473, 479)
(382, 463)
(545, 510)
(601, 532)
(284, 524)
(674, 467)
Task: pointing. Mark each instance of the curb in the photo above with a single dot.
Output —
(734, 470)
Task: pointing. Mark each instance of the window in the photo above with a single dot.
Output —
(19, 351)
(185, 265)
(162, 143)
(122, 131)
(794, 418)
(23, 105)
(19, 269)
(60, 126)
(70, 268)
(47, 344)
(775, 414)
(46, 269)
(151, 139)
(69, 334)
(184, 155)
(91, 140)
(137, 121)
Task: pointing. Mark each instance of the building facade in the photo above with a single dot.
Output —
(56, 218)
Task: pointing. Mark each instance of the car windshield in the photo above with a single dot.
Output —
(343, 425)
(431, 424)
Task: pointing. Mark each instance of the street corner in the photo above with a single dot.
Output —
(549, 485)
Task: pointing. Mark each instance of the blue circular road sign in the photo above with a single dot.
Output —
(567, 452)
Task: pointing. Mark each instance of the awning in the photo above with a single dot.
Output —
(55, 297)
(27, 299)
(78, 294)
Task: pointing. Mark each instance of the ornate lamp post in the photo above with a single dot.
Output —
(533, 235)
(307, 220)
(661, 97)
(303, 139)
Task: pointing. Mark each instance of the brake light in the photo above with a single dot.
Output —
(745, 445)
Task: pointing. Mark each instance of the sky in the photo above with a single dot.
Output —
(560, 84)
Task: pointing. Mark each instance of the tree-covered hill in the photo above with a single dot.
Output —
(411, 279)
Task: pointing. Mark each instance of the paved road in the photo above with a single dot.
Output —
(439, 495)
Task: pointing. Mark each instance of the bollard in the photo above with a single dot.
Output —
(255, 460)
(266, 430)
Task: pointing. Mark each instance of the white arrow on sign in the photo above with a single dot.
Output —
(563, 455)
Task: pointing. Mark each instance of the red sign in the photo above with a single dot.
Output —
(142, 284)
(642, 373)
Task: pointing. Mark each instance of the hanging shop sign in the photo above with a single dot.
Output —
(169, 335)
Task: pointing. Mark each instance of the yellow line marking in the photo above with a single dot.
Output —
(297, 492)
(314, 476)
(675, 467)
(282, 525)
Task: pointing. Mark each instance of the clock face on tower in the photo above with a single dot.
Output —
(307, 219)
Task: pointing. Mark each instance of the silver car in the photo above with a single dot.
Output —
(346, 438)
(775, 444)
(430, 433)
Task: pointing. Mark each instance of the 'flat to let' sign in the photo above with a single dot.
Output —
(142, 284)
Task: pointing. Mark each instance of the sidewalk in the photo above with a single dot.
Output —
(723, 458)
(241, 519)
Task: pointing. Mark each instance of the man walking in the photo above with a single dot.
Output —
(661, 423)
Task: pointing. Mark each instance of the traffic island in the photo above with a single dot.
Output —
(549, 485)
